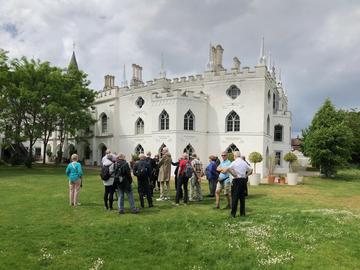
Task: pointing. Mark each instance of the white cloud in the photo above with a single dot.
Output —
(314, 42)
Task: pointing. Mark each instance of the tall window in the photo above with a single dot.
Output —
(164, 120)
(278, 133)
(189, 120)
(189, 150)
(268, 125)
(232, 122)
(269, 97)
(139, 126)
(278, 158)
(232, 148)
(139, 149)
(233, 91)
(104, 123)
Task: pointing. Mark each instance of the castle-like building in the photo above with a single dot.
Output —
(238, 109)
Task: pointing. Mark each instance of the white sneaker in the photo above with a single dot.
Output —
(159, 199)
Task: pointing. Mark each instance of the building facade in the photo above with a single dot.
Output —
(238, 109)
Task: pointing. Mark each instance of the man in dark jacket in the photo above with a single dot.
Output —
(142, 171)
(212, 175)
(123, 181)
(152, 163)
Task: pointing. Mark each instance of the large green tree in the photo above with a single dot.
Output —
(352, 120)
(328, 140)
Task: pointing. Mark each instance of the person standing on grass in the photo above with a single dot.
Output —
(109, 184)
(183, 179)
(176, 164)
(240, 170)
(152, 164)
(212, 175)
(142, 171)
(195, 180)
(247, 177)
(123, 179)
(155, 174)
(224, 182)
(164, 175)
(74, 173)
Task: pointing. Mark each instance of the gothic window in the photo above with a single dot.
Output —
(275, 103)
(267, 158)
(269, 97)
(139, 149)
(189, 150)
(139, 126)
(189, 120)
(278, 133)
(232, 122)
(233, 91)
(268, 125)
(140, 102)
(232, 148)
(161, 149)
(104, 123)
(278, 158)
(164, 120)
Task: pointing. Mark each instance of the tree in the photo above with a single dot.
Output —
(74, 105)
(255, 157)
(291, 158)
(328, 140)
(352, 120)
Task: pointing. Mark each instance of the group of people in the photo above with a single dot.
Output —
(153, 174)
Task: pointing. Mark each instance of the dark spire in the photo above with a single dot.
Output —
(73, 63)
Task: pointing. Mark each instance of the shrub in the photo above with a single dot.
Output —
(291, 158)
(255, 157)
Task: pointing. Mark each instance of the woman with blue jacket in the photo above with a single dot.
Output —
(74, 173)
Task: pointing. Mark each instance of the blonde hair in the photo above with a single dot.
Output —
(74, 157)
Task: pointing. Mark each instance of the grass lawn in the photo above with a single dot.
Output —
(310, 226)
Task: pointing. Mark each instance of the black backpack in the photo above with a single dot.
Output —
(105, 172)
(142, 170)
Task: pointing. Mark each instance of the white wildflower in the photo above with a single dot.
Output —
(98, 264)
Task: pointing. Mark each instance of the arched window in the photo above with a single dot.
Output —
(232, 122)
(104, 123)
(268, 125)
(164, 120)
(139, 126)
(232, 148)
(161, 149)
(140, 102)
(139, 149)
(278, 133)
(189, 150)
(189, 119)
(233, 91)
(269, 97)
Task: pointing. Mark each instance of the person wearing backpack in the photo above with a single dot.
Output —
(123, 183)
(184, 173)
(107, 175)
(74, 173)
(142, 171)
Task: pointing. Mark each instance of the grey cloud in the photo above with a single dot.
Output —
(314, 43)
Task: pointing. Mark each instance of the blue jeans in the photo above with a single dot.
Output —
(130, 196)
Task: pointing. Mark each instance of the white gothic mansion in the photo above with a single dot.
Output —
(240, 108)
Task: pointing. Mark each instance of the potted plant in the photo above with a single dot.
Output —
(282, 180)
(255, 157)
(271, 168)
(291, 176)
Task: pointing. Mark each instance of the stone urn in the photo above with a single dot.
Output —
(292, 179)
(254, 179)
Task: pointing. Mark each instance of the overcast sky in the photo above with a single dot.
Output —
(315, 43)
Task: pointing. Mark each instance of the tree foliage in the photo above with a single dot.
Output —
(255, 157)
(328, 140)
(37, 99)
